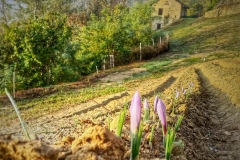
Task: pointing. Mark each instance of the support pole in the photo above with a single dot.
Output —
(14, 84)
(140, 51)
(97, 69)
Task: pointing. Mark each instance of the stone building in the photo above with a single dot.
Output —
(167, 11)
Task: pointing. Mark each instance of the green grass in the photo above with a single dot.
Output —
(193, 60)
(37, 107)
(204, 35)
(158, 67)
(151, 66)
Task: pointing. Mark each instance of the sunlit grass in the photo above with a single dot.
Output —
(34, 108)
(201, 35)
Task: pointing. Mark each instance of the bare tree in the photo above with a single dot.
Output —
(5, 12)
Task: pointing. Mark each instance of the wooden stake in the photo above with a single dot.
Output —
(104, 65)
(14, 82)
(97, 69)
(140, 51)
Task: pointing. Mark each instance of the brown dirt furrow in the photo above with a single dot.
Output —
(224, 75)
(221, 80)
(75, 120)
(211, 127)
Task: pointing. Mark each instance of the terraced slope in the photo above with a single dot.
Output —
(210, 129)
(211, 124)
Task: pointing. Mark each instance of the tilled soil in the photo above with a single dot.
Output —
(210, 128)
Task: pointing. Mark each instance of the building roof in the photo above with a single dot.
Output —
(183, 5)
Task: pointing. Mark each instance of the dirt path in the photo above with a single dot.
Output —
(221, 81)
(210, 129)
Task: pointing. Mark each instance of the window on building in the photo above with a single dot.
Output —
(160, 11)
(158, 25)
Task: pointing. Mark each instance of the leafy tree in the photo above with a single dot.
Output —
(198, 6)
(6, 68)
(195, 10)
(43, 49)
(6, 12)
(140, 21)
(38, 47)
(211, 4)
(115, 33)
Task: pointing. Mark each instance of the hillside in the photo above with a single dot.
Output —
(203, 52)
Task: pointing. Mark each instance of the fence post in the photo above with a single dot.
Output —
(167, 37)
(97, 69)
(14, 83)
(111, 60)
(140, 51)
(160, 40)
(104, 65)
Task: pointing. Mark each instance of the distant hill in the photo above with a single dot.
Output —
(224, 8)
(227, 2)
(220, 3)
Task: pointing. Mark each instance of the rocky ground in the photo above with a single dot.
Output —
(210, 128)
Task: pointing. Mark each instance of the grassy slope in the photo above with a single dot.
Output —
(213, 38)
(206, 35)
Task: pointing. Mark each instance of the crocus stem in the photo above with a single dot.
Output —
(164, 137)
(134, 147)
(164, 141)
(170, 138)
(136, 142)
(173, 109)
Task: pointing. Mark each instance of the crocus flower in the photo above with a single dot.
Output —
(185, 91)
(146, 105)
(135, 112)
(146, 110)
(161, 110)
(177, 94)
(191, 84)
(155, 104)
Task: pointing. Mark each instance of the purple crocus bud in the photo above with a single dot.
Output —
(177, 94)
(185, 91)
(135, 112)
(155, 104)
(191, 84)
(182, 89)
(146, 105)
(161, 110)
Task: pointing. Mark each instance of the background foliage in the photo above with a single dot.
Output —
(43, 46)
(52, 41)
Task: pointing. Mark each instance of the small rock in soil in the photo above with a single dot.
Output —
(227, 133)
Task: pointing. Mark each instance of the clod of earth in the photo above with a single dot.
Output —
(96, 143)
(24, 150)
